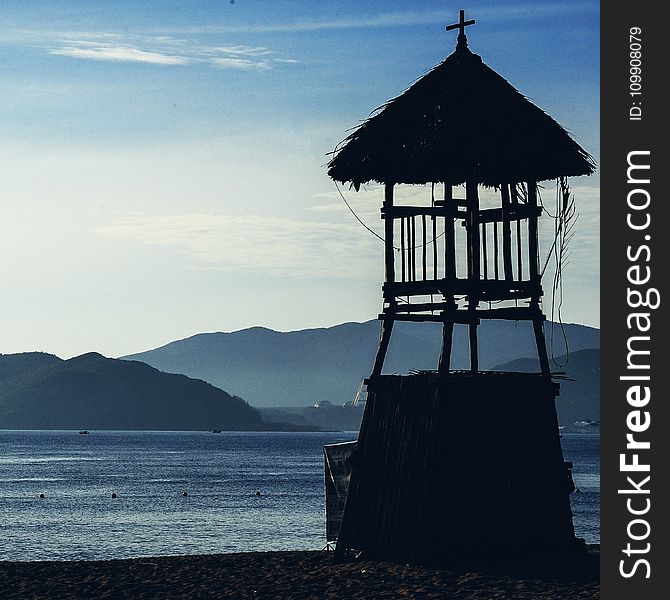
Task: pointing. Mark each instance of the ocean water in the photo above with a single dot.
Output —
(220, 473)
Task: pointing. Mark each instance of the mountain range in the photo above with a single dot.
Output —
(296, 380)
(299, 368)
(42, 391)
(578, 400)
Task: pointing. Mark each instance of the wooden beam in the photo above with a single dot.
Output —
(486, 215)
(420, 318)
(423, 306)
(460, 202)
(429, 211)
(514, 212)
(490, 289)
(466, 317)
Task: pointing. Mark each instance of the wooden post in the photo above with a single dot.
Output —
(472, 232)
(387, 327)
(449, 236)
(388, 233)
(486, 258)
(445, 356)
(514, 193)
(402, 249)
(533, 267)
(413, 247)
(541, 345)
(408, 230)
(423, 247)
(533, 253)
(474, 354)
(519, 261)
(495, 251)
(434, 247)
(506, 233)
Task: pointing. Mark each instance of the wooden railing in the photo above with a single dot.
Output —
(430, 245)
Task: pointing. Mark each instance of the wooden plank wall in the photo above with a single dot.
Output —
(458, 466)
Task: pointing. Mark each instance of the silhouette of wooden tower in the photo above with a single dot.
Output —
(441, 449)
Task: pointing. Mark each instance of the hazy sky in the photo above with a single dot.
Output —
(163, 162)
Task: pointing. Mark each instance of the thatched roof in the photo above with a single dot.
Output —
(460, 121)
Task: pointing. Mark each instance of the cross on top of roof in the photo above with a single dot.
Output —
(461, 25)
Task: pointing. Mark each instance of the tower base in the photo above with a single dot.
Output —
(459, 467)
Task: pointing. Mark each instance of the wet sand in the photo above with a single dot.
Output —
(280, 575)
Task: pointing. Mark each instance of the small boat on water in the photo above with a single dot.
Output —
(83, 432)
(216, 431)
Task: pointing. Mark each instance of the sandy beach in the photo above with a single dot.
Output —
(279, 575)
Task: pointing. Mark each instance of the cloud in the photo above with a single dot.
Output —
(240, 64)
(345, 22)
(163, 50)
(243, 50)
(403, 18)
(336, 246)
(89, 50)
(275, 246)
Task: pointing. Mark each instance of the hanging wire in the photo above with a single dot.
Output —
(564, 222)
(373, 232)
(353, 212)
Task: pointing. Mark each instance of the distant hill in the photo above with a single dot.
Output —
(17, 364)
(579, 400)
(42, 391)
(300, 368)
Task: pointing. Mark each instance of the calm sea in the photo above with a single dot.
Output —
(220, 473)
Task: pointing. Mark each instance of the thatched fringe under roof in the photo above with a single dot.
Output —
(461, 121)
